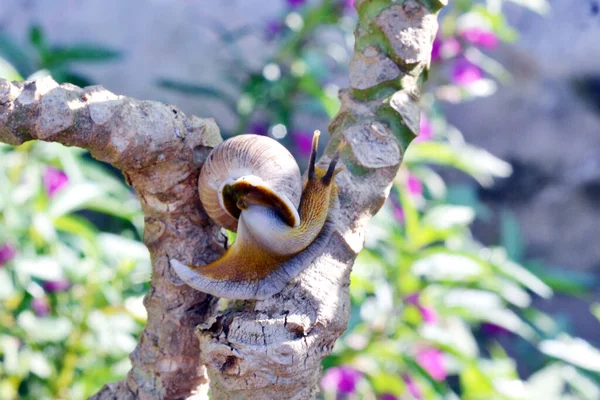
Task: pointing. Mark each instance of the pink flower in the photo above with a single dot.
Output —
(429, 314)
(425, 129)
(341, 380)
(412, 387)
(40, 306)
(7, 253)
(465, 72)
(445, 48)
(388, 396)
(480, 37)
(303, 141)
(54, 180)
(414, 185)
(56, 286)
(432, 360)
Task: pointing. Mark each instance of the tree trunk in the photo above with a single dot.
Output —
(270, 349)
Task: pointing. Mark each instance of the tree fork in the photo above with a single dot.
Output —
(256, 349)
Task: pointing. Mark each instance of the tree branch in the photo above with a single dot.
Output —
(267, 349)
(153, 144)
(273, 349)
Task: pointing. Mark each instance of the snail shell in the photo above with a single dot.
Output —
(259, 176)
(251, 164)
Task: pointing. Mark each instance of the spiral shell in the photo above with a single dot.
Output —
(254, 164)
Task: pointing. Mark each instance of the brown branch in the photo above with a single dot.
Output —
(153, 144)
(267, 349)
(273, 349)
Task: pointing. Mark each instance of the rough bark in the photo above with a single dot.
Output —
(267, 349)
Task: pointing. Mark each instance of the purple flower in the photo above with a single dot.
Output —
(493, 329)
(56, 286)
(414, 185)
(436, 50)
(429, 315)
(259, 127)
(341, 380)
(412, 387)
(388, 396)
(399, 214)
(7, 253)
(348, 4)
(303, 141)
(413, 298)
(425, 129)
(40, 306)
(273, 28)
(54, 180)
(432, 360)
(465, 72)
(295, 3)
(480, 37)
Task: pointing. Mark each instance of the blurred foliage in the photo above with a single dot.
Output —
(37, 58)
(73, 270)
(435, 314)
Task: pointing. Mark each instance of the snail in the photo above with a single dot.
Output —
(252, 185)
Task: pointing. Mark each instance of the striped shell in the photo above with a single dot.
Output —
(250, 162)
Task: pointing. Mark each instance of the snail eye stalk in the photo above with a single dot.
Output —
(331, 171)
(313, 154)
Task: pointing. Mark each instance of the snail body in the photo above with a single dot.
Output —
(252, 185)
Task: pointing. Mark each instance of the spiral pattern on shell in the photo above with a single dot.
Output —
(257, 160)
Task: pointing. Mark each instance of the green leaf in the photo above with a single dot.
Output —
(44, 268)
(539, 6)
(7, 288)
(118, 247)
(448, 267)
(9, 349)
(8, 72)
(15, 55)
(580, 383)
(62, 76)
(114, 207)
(595, 309)
(385, 382)
(519, 273)
(199, 90)
(39, 364)
(73, 197)
(573, 350)
(448, 216)
(478, 163)
(77, 226)
(454, 336)
(46, 329)
(37, 39)
(475, 384)
(82, 52)
(547, 383)
(565, 280)
(510, 235)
